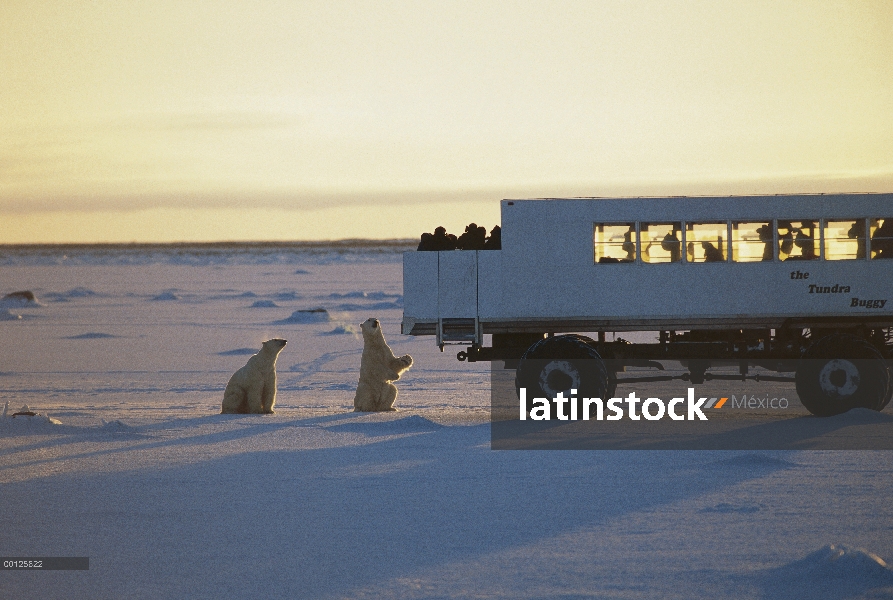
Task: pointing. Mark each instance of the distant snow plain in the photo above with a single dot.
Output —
(170, 499)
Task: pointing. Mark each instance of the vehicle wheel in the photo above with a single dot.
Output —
(889, 394)
(840, 372)
(611, 392)
(560, 364)
(610, 367)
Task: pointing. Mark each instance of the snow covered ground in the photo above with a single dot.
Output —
(170, 499)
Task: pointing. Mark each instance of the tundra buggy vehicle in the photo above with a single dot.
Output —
(798, 284)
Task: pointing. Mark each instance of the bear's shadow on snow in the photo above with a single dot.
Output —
(154, 433)
(430, 499)
(409, 424)
(92, 335)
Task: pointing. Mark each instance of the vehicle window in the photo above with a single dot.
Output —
(844, 239)
(661, 242)
(797, 240)
(752, 242)
(705, 242)
(882, 238)
(615, 242)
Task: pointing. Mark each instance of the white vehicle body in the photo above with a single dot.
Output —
(546, 277)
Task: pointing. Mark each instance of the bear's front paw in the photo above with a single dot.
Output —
(406, 360)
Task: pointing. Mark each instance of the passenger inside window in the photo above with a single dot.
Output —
(797, 242)
(615, 242)
(752, 242)
(705, 242)
(844, 239)
(805, 240)
(661, 242)
(882, 238)
(711, 253)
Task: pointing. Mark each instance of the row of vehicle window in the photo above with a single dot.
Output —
(744, 241)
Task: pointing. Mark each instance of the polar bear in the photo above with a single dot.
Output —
(378, 368)
(252, 389)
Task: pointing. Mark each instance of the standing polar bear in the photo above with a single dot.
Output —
(252, 389)
(378, 368)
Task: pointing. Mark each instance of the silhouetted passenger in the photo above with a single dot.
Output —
(671, 244)
(494, 242)
(882, 240)
(712, 253)
(785, 240)
(426, 242)
(805, 240)
(473, 238)
(629, 246)
(857, 232)
(765, 233)
(439, 240)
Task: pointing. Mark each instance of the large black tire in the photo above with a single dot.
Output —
(610, 367)
(560, 364)
(840, 372)
(889, 395)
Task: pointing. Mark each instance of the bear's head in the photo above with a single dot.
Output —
(371, 328)
(275, 345)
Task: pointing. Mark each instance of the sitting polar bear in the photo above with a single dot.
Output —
(378, 368)
(252, 389)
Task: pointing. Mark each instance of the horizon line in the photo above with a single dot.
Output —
(355, 242)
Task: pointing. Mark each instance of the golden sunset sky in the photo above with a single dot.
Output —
(221, 120)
